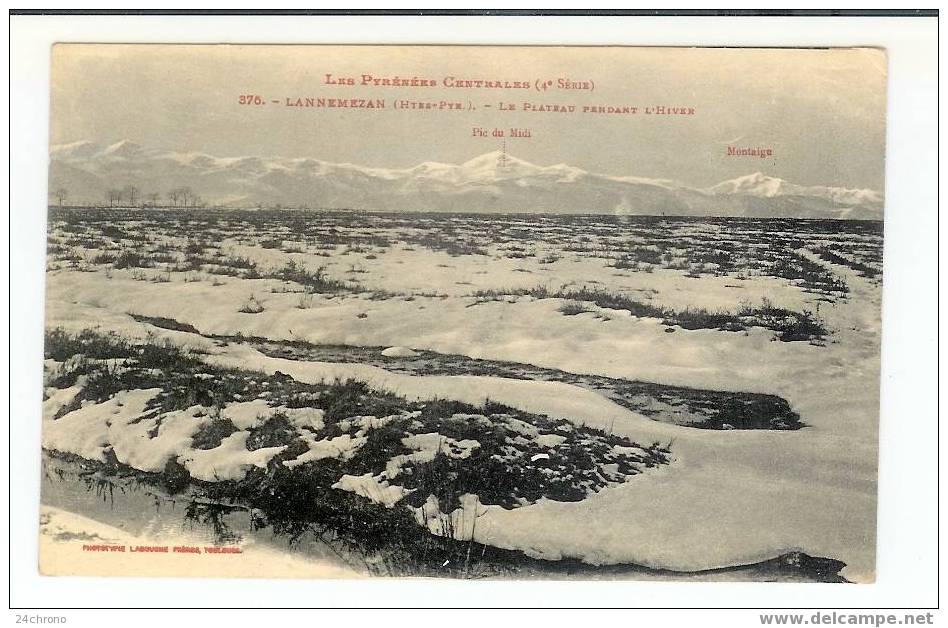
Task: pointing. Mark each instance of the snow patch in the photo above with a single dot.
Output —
(372, 487)
(341, 447)
(87, 431)
(248, 414)
(228, 461)
(399, 352)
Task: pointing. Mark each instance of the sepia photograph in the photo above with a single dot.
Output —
(469, 312)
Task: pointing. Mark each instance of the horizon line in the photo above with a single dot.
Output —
(226, 208)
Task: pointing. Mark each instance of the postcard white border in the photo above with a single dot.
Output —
(907, 560)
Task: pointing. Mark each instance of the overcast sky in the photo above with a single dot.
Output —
(822, 112)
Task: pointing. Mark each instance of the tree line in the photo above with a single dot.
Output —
(131, 196)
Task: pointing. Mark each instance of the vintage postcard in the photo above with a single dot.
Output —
(463, 311)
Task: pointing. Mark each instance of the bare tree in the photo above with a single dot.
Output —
(131, 194)
(182, 195)
(153, 198)
(188, 196)
(114, 196)
(61, 194)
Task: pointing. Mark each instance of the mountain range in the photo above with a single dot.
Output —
(493, 182)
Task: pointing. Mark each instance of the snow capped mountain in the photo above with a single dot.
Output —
(763, 186)
(492, 182)
(757, 184)
(122, 150)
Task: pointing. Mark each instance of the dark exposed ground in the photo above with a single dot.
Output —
(130, 501)
(693, 407)
(703, 409)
